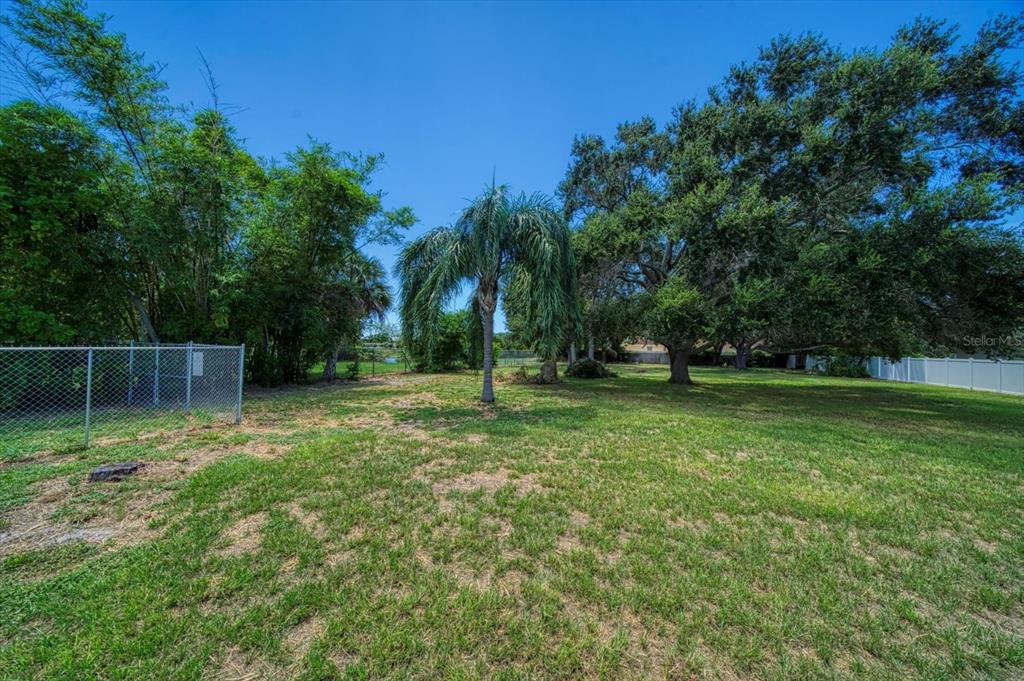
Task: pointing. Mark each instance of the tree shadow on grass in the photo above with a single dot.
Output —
(973, 427)
(781, 393)
(507, 421)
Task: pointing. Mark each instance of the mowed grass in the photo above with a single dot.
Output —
(756, 525)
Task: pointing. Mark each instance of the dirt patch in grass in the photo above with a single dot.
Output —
(33, 525)
(413, 401)
(647, 646)
(188, 461)
(426, 472)
(245, 535)
(384, 422)
(489, 481)
(570, 540)
(1011, 625)
(301, 637)
(342, 659)
(239, 666)
(690, 525)
(308, 519)
(507, 584)
(126, 517)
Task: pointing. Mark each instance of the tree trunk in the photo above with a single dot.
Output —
(548, 372)
(718, 353)
(572, 353)
(680, 363)
(331, 366)
(144, 320)
(742, 354)
(487, 316)
(590, 346)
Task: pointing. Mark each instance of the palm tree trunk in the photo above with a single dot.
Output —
(487, 315)
(590, 346)
(572, 353)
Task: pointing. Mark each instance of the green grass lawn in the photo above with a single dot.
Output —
(756, 525)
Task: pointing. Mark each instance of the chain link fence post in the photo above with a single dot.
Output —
(88, 394)
(241, 377)
(156, 376)
(131, 371)
(188, 377)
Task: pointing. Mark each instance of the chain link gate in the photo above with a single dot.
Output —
(58, 396)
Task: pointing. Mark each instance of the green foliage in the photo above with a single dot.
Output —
(675, 312)
(57, 251)
(843, 366)
(451, 344)
(129, 219)
(588, 368)
(821, 198)
(498, 244)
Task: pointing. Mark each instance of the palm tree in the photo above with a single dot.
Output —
(496, 241)
(358, 291)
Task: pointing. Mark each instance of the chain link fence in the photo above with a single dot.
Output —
(516, 358)
(53, 397)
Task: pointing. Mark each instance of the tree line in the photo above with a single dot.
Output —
(816, 200)
(125, 217)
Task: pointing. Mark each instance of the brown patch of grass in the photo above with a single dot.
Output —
(384, 422)
(32, 525)
(986, 546)
(301, 637)
(309, 520)
(1011, 625)
(424, 472)
(489, 481)
(570, 540)
(691, 525)
(244, 536)
(470, 577)
(413, 400)
(239, 666)
(423, 557)
(342, 659)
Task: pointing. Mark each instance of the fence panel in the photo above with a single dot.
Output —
(1005, 376)
(647, 357)
(58, 397)
(517, 358)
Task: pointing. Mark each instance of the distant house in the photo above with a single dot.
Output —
(643, 345)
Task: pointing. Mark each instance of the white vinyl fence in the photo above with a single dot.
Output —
(1004, 376)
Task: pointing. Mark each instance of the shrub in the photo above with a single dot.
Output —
(520, 376)
(843, 366)
(588, 368)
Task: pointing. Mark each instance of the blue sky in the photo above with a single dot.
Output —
(451, 92)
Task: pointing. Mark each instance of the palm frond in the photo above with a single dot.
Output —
(542, 258)
(431, 270)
